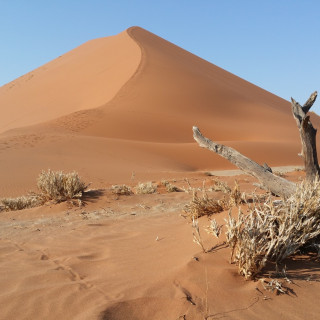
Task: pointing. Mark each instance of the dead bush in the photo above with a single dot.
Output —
(59, 186)
(53, 185)
(201, 206)
(121, 190)
(170, 187)
(236, 197)
(274, 230)
(146, 188)
(220, 186)
(23, 202)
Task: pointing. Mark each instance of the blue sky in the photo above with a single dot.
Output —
(274, 44)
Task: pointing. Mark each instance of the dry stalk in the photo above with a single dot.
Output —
(220, 186)
(274, 285)
(236, 197)
(196, 234)
(214, 228)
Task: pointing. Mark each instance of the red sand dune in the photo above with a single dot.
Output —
(127, 103)
(106, 109)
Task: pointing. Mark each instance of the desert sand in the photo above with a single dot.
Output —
(119, 110)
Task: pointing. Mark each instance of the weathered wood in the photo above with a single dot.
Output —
(269, 181)
(307, 135)
(265, 165)
(275, 184)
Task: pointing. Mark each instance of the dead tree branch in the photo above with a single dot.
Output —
(271, 182)
(275, 184)
(307, 135)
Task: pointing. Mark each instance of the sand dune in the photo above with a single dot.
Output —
(121, 110)
(127, 103)
(84, 78)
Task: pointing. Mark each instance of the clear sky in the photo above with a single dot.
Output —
(274, 44)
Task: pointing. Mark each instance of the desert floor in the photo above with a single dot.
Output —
(133, 257)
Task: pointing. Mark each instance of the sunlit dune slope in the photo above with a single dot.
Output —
(127, 104)
(174, 89)
(83, 78)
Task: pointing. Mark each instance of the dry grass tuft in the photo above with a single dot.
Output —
(274, 230)
(201, 206)
(214, 228)
(236, 197)
(23, 202)
(220, 186)
(56, 186)
(146, 188)
(121, 190)
(170, 187)
(59, 186)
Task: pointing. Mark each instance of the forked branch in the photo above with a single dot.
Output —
(307, 135)
(271, 182)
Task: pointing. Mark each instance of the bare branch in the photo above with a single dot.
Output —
(275, 184)
(309, 103)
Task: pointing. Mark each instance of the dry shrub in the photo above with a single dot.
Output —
(146, 188)
(214, 228)
(236, 197)
(274, 230)
(121, 190)
(53, 185)
(233, 197)
(59, 186)
(170, 187)
(24, 202)
(220, 186)
(201, 206)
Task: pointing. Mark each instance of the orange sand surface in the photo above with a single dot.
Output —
(120, 110)
(132, 257)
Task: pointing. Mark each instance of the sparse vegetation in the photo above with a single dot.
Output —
(201, 206)
(23, 202)
(121, 190)
(220, 186)
(274, 230)
(146, 188)
(170, 187)
(59, 186)
(236, 197)
(53, 185)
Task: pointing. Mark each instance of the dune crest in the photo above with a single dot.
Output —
(84, 78)
(128, 103)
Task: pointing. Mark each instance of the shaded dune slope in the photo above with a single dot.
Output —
(127, 103)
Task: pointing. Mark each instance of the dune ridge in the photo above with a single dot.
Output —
(142, 122)
(83, 78)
